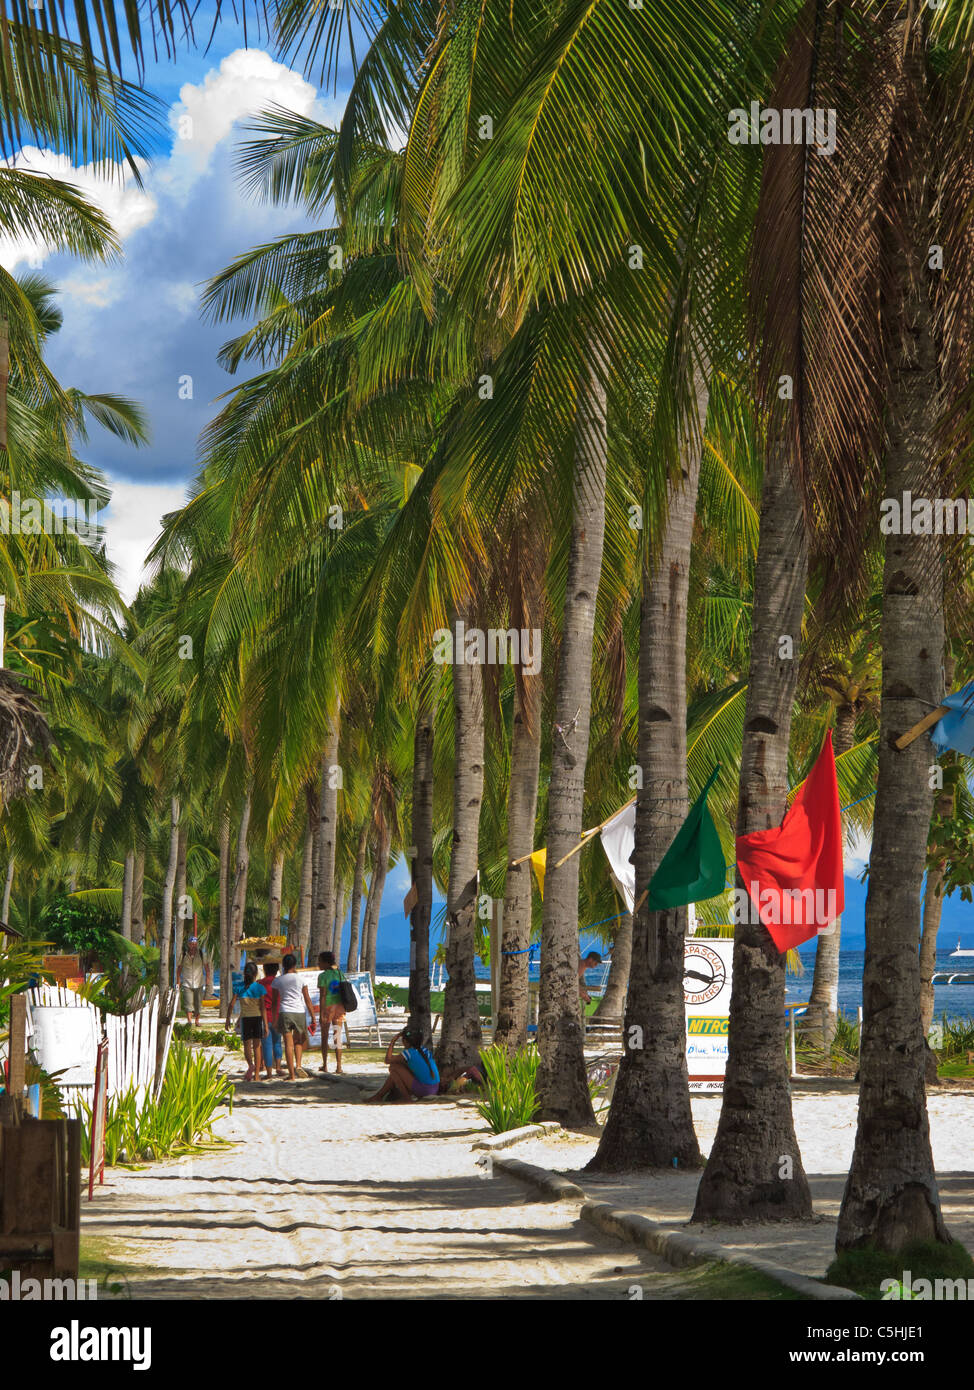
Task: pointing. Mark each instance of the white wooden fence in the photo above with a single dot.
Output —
(135, 1057)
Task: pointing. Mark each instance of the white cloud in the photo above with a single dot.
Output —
(117, 195)
(132, 522)
(246, 82)
(859, 846)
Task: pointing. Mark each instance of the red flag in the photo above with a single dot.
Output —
(793, 874)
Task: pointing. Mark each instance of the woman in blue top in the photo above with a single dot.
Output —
(413, 1073)
(252, 1026)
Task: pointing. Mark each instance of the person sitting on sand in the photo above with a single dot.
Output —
(331, 1010)
(588, 963)
(251, 996)
(292, 998)
(413, 1073)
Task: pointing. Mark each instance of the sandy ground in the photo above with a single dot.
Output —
(325, 1197)
(825, 1123)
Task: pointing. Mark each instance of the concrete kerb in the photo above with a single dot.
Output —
(676, 1247)
(514, 1136)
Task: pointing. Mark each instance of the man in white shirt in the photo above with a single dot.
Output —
(192, 978)
(291, 998)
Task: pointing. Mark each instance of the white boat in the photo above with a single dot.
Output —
(949, 977)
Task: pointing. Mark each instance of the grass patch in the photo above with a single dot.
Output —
(726, 1281)
(865, 1270)
(399, 995)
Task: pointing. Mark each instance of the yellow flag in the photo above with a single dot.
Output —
(539, 860)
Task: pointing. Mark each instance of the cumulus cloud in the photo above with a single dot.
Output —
(857, 851)
(132, 523)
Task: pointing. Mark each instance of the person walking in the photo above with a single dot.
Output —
(292, 999)
(331, 1010)
(251, 995)
(272, 1044)
(192, 977)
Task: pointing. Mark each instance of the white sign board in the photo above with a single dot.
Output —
(706, 996)
(66, 1041)
(364, 1016)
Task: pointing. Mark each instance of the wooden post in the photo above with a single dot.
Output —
(17, 1076)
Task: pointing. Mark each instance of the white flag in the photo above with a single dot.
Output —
(618, 838)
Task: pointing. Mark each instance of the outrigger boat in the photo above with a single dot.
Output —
(948, 977)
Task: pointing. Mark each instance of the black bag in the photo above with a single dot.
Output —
(347, 995)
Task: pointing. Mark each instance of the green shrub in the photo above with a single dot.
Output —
(207, 1037)
(180, 1121)
(864, 1270)
(957, 1038)
(511, 1081)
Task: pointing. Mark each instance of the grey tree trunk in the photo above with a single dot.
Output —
(422, 868)
(933, 905)
(562, 1084)
(891, 1196)
(460, 1035)
(274, 893)
(128, 879)
(358, 882)
(511, 1024)
(649, 1123)
(823, 1002)
(754, 1172)
(339, 922)
(8, 888)
(182, 904)
(138, 898)
(226, 940)
(323, 913)
(376, 888)
(238, 901)
(313, 805)
(613, 1002)
(165, 915)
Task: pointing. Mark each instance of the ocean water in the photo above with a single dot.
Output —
(956, 1000)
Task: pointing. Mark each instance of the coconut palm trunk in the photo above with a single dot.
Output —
(460, 1035)
(182, 904)
(128, 881)
(562, 1085)
(422, 868)
(612, 1005)
(323, 914)
(358, 882)
(274, 887)
(649, 1123)
(823, 1002)
(138, 898)
(238, 900)
(165, 915)
(754, 1172)
(376, 890)
(226, 949)
(891, 1196)
(338, 923)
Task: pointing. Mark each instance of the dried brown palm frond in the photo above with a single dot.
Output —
(25, 738)
(815, 275)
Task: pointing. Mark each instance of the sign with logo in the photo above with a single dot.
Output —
(365, 1015)
(63, 968)
(706, 997)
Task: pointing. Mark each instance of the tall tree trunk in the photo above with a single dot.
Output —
(754, 1172)
(323, 914)
(933, 904)
(226, 939)
(421, 865)
(358, 881)
(8, 889)
(460, 1036)
(562, 1084)
(274, 893)
(138, 898)
(306, 898)
(339, 922)
(612, 1005)
(128, 879)
(823, 1002)
(891, 1196)
(165, 916)
(376, 888)
(511, 1024)
(238, 901)
(650, 1124)
(182, 905)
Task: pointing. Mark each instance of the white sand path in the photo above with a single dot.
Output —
(325, 1197)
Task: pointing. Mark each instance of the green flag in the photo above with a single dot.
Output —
(693, 867)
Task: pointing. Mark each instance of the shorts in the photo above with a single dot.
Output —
(193, 996)
(251, 1029)
(293, 1023)
(333, 1013)
(425, 1088)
